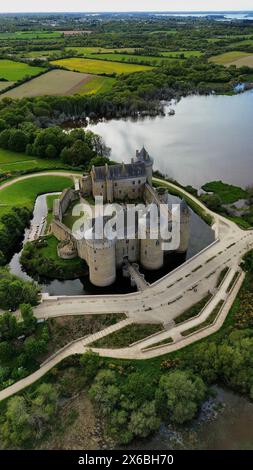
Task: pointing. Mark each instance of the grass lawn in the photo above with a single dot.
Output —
(99, 67)
(13, 161)
(24, 193)
(13, 71)
(230, 58)
(128, 335)
(226, 192)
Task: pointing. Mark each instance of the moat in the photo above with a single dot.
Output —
(201, 235)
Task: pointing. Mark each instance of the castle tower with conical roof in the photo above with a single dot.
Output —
(144, 157)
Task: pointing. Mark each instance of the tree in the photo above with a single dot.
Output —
(90, 364)
(18, 141)
(16, 429)
(179, 395)
(144, 420)
(2, 259)
(8, 326)
(28, 317)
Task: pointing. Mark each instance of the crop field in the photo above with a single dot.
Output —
(13, 161)
(97, 85)
(13, 71)
(28, 35)
(233, 58)
(99, 67)
(54, 82)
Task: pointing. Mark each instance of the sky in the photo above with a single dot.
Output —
(122, 5)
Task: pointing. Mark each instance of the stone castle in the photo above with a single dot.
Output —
(119, 183)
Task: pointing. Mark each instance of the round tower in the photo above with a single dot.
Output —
(101, 259)
(151, 253)
(184, 227)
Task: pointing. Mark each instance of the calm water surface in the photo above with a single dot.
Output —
(209, 138)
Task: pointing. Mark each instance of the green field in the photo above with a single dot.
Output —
(229, 58)
(39, 54)
(152, 60)
(24, 192)
(179, 54)
(28, 35)
(99, 67)
(13, 71)
(99, 50)
(226, 192)
(13, 161)
(97, 85)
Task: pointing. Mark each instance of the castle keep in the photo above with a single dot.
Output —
(119, 183)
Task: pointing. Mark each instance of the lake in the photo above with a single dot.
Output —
(209, 138)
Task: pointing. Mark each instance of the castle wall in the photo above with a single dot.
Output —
(127, 248)
(131, 188)
(99, 189)
(60, 231)
(67, 197)
(184, 231)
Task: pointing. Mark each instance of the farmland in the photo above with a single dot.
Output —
(237, 58)
(99, 50)
(133, 58)
(181, 53)
(55, 82)
(13, 71)
(28, 35)
(97, 85)
(99, 67)
(4, 84)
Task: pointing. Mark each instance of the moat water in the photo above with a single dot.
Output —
(201, 235)
(208, 138)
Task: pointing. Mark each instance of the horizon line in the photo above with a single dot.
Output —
(131, 11)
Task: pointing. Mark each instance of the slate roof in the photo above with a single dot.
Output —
(119, 171)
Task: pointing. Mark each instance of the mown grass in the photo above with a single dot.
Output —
(13, 71)
(24, 192)
(99, 67)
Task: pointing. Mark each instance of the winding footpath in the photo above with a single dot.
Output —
(161, 302)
